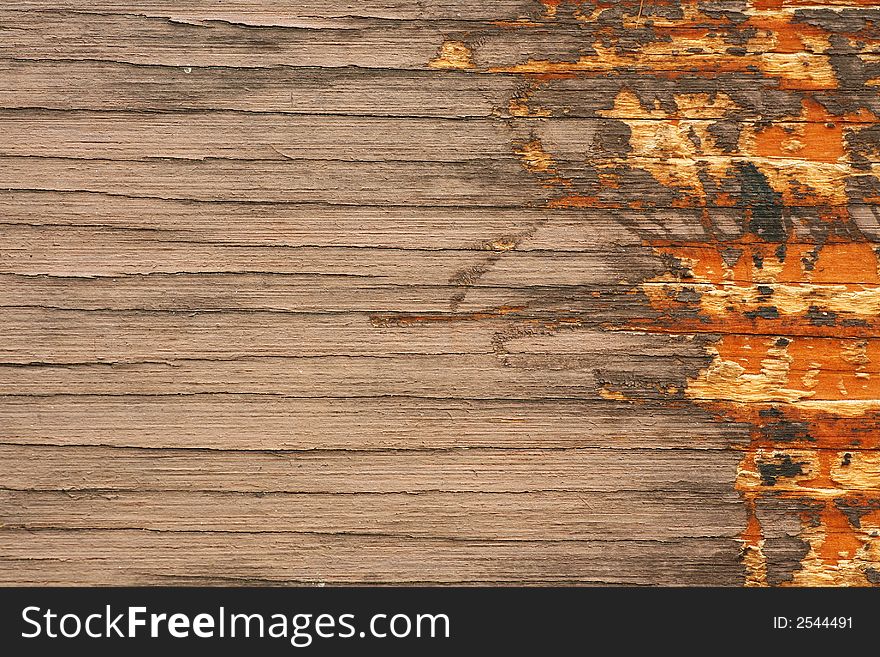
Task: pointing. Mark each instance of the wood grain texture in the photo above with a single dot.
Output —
(524, 292)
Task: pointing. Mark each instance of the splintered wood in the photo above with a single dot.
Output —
(440, 292)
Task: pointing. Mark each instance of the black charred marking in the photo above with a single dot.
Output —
(820, 317)
(872, 575)
(764, 312)
(783, 342)
(770, 412)
(854, 322)
(785, 431)
(780, 252)
(810, 259)
(771, 472)
(847, 459)
(765, 290)
(758, 260)
(763, 203)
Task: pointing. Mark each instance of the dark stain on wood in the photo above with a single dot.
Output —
(556, 292)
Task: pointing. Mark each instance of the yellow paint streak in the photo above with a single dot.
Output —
(729, 380)
(454, 55)
(803, 71)
(722, 300)
(613, 395)
(804, 160)
(533, 156)
(501, 244)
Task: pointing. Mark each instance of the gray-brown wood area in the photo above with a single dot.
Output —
(392, 292)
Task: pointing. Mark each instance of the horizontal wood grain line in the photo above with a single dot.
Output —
(275, 12)
(76, 336)
(55, 336)
(584, 361)
(260, 422)
(376, 92)
(514, 203)
(640, 388)
(173, 115)
(340, 292)
(388, 44)
(551, 516)
(446, 377)
(611, 540)
(365, 225)
(46, 467)
(574, 166)
(197, 135)
(280, 13)
(159, 237)
(823, 78)
(487, 183)
(94, 556)
(316, 225)
(471, 183)
(324, 91)
(253, 137)
(154, 452)
(378, 150)
(314, 294)
(257, 581)
(290, 451)
(88, 252)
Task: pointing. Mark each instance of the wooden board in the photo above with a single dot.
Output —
(524, 292)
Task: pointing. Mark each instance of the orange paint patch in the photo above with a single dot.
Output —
(822, 141)
(839, 542)
(785, 366)
(819, 137)
(797, 312)
(575, 201)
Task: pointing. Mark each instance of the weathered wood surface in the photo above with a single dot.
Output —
(440, 292)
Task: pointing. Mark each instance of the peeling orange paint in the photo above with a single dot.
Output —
(796, 311)
(799, 358)
(804, 388)
(802, 71)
